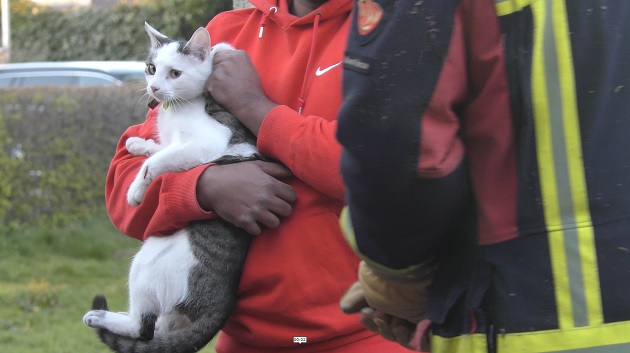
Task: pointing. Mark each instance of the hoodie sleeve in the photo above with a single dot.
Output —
(407, 181)
(170, 201)
(306, 145)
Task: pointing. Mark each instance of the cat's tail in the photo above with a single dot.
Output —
(187, 340)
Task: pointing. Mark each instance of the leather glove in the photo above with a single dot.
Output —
(391, 328)
(403, 299)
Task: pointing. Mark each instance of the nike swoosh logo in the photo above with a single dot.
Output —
(320, 72)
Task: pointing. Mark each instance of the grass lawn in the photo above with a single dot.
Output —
(47, 281)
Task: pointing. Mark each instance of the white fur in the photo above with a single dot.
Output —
(158, 280)
(188, 137)
(241, 149)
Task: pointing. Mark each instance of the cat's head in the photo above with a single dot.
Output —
(177, 70)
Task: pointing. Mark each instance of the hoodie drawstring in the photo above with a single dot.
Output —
(309, 63)
(265, 19)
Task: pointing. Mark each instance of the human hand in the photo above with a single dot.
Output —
(247, 194)
(391, 328)
(235, 85)
(406, 299)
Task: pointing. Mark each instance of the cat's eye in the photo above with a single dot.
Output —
(175, 73)
(150, 69)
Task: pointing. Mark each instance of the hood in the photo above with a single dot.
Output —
(277, 11)
(330, 9)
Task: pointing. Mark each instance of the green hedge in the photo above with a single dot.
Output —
(55, 147)
(40, 34)
(86, 34)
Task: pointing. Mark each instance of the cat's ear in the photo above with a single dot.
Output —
(157, 38)
(200, 40)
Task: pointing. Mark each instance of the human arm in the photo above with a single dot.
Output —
(174, 199)
(305, 143)
(261, 199)
(403, 159)
(169, 202)
(466, 104)
(235, 85)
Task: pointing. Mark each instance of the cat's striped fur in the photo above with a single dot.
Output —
(182, 288)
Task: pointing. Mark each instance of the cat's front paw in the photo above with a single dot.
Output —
(140, 184)
(94, 318)
(141, 147)
(136, 192)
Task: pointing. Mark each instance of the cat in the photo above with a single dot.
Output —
(182, 287)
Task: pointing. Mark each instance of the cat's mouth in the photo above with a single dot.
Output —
(153, 103)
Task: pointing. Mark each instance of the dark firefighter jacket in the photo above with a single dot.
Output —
(495, 137)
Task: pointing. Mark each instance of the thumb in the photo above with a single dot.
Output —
(420, 341)
(275, 170)
(354, 299)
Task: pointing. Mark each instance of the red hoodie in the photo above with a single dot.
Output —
(296, 273)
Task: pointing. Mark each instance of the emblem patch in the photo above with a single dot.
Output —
(369, 15)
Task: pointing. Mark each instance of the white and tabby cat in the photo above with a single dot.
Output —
(182, 287)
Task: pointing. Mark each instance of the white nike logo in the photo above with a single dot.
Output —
(320, 72)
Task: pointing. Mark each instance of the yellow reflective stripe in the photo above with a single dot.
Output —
(546, 166)
(348, 231)
(475, 343)
(606, 338)
(563, 186)
(582, 216)
(591, 276)
(506, 7)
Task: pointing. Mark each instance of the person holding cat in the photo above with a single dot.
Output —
(486, 166)
(284, 84)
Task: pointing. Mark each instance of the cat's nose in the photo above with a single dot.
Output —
(155, 89)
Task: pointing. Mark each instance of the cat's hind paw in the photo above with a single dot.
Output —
(94, 318)
(116, 323)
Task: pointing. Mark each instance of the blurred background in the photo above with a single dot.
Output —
(71, 81)
(61, 30)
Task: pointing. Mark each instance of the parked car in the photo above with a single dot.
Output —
(71, 73)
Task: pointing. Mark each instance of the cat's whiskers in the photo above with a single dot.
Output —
(212, 252)
(146, 94)
(143, 89)
(177, 101)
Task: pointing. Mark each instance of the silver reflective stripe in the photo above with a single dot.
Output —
(563, 180)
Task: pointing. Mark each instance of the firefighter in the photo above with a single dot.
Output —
(487, 169)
